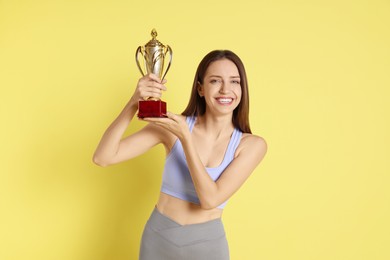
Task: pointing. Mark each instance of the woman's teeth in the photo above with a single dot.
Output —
(224, 100)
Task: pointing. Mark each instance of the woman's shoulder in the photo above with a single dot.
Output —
(252, 143)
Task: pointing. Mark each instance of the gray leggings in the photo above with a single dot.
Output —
(164, 239)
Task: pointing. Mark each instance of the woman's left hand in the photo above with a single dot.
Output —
(173, 123)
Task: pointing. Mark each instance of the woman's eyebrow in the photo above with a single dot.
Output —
(217, 76)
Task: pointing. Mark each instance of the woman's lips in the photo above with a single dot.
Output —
(224, 100)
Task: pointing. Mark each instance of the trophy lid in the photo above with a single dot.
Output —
(154, 42)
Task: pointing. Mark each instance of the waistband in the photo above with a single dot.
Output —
(184, 234)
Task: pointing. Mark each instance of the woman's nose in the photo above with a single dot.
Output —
(224, 89)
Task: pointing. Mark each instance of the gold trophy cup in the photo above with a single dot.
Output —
(153, 57)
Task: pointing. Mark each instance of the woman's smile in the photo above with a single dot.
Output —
(224, 100)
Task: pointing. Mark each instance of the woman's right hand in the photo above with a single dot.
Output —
(149, 86)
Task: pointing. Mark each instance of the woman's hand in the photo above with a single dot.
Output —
(149, 86)
(173, 123)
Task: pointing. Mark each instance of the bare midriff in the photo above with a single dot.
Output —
(184, 212)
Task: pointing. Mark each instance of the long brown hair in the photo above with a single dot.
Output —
(197, 105)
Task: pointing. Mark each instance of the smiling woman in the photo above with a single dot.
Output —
(197, 105)
(211, 153)
(221, 86)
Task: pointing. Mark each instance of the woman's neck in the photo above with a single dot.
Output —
(215, 126)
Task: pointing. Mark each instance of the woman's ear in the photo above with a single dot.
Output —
(200, 89)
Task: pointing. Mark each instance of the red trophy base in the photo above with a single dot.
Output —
(152, 108)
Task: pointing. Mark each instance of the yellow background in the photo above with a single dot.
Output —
(319, 75)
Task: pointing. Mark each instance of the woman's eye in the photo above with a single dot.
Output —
(236, 82)
(213, 81)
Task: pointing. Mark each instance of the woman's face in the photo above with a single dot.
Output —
(221, 87)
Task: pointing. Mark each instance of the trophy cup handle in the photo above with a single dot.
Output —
(139, 50)
(170, 60)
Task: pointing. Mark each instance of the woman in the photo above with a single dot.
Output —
(210, 154)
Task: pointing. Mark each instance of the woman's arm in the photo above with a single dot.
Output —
(211, 194)
(112, 148)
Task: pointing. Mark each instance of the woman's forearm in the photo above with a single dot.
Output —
(109, 144)
(205, 187)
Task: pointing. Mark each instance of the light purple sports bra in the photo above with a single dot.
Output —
(177, 180)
